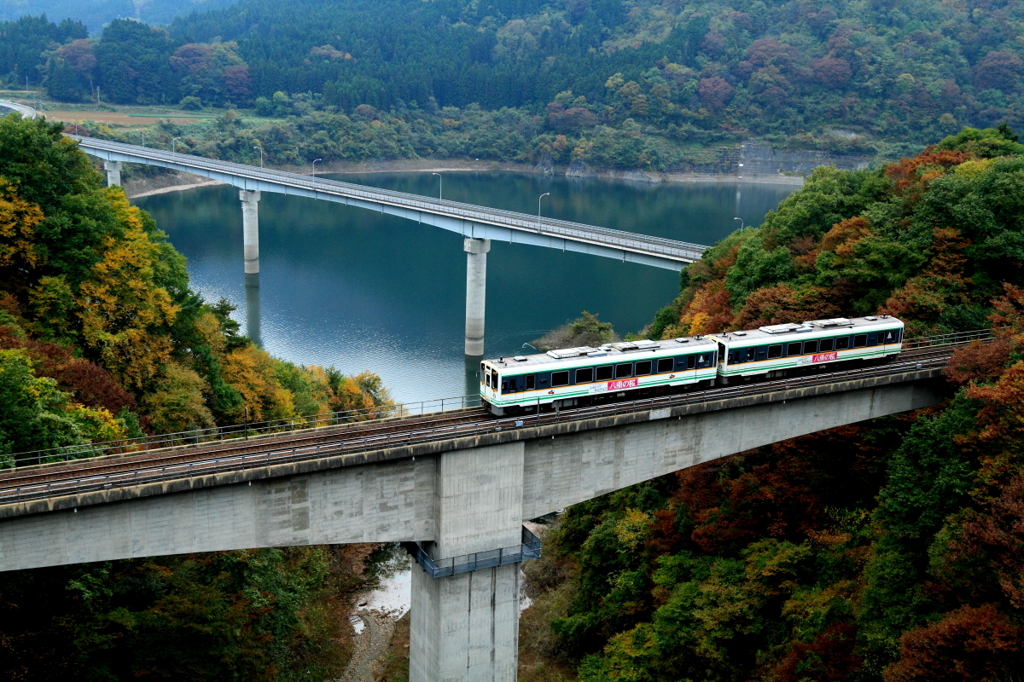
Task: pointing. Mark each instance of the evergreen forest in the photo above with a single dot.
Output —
(797, 72)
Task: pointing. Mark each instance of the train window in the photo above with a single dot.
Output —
(810, 347)
(585, 376)
(604, 373)
(702, 359)
(873, 339)
(827, 345)
(793, 349)
(775, 351)
(691, 361)
(665, 365)
(892, 336)
(494, 379)
(560, 378)
(487, 379)
(733, 357)
(843, 343)
(530, 382)
(643, 368)
(625, 370)
(504, 387)
(859, 340)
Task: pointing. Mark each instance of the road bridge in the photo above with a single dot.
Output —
(7, 107)
(477, 224)
(459, 484)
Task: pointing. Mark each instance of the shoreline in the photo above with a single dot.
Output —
(177, 182)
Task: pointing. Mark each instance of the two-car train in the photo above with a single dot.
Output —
(633, 369)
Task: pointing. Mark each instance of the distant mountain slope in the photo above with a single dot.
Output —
(97, 13)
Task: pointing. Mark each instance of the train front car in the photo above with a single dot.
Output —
(786, 349)
(580, 376)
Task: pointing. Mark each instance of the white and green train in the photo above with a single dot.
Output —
(631, 369)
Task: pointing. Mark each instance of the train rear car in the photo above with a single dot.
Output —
(783, 349)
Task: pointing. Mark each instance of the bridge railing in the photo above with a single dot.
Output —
(246, 430)
(954, 338)
(521, 221)
(530, 548)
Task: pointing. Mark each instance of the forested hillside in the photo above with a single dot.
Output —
(915, 70)
(101, 338)
(95, 14)
(887, 550)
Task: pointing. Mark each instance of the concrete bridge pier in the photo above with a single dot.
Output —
(250, 230)
(113, 169)
(465, 627)
(476, 293)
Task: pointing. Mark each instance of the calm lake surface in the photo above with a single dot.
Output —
(358, 290)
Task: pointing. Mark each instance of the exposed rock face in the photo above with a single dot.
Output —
(578, 169)
(546, 165)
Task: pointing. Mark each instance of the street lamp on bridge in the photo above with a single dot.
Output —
(314, 168)
(261, 155)
(174, 145)
(546, 194)
(741, 222)
(440, 185)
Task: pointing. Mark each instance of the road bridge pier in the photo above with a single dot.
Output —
(250, 230)
(476, 293)
(113, 169)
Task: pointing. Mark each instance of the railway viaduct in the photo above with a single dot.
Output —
(462, 499)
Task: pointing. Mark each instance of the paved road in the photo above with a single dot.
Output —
(469, 220)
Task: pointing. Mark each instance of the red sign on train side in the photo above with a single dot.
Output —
(825, 357)
(623, 384)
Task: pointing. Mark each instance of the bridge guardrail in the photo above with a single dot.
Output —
(552, 227)
(246, 430)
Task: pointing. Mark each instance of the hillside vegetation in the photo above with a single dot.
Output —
(886, 550)
(559, 76)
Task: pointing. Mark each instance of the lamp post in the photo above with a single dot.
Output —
(314, 168)
(440, 185)
(174, 145)
(261, 155)
(741, 222)
(546, 194)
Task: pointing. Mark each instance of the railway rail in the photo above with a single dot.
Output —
(151, 466)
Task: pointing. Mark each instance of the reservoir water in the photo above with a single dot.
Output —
(359, 290)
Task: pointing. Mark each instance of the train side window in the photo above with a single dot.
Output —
(691, 361)
(531, 382)
(643, 368)
(504, 386)
(585, 376)
(560, 378)
(775, 351)
(625, 370)
(703, 359)
(665, 365)
(843, 343)
(604, 373)
(734, 357)
(860, 340)
(873, 339)
(793, 349)
(810, 347)
(827, 345)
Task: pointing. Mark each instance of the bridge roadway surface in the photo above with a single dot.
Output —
(50, 487)
(475, 222)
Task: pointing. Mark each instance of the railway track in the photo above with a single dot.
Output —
(152, 466)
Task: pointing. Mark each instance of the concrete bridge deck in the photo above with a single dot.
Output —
(474, 222)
